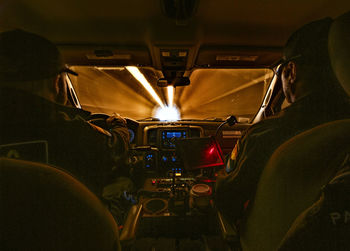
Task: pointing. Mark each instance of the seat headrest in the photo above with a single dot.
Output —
(44, 208)
(339, 50)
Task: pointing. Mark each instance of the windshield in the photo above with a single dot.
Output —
(213, 93)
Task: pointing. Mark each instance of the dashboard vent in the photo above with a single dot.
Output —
(152, 137)
(195, 132)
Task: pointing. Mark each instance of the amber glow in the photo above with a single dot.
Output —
(171, 91)
(168, 113)
(141, 78)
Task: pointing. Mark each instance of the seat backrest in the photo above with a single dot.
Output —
(292, 181)
(338, 48)
(293, 178)
(44, 208)
(325, 225)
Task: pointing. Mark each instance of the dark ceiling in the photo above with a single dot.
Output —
(234, 22)
(263, 25)
(219, 34)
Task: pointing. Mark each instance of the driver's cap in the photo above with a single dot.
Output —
(25, 56)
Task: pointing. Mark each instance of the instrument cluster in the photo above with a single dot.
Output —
(158, 155)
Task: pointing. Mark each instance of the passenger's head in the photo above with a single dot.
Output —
(306, 67)
(31, 63)
(339, 49)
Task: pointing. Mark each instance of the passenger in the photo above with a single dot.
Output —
(316, 98)
(33, 98)
(325, 225)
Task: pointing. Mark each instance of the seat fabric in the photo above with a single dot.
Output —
(292, 181)
(44, 208)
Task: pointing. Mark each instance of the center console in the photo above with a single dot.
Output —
(176, 206)
(176, 211)
(175, 201)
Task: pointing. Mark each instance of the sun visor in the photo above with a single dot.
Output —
(226, 56)
(105, 55)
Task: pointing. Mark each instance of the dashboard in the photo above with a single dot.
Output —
(158, 154)
(154, 148)
(164, 156)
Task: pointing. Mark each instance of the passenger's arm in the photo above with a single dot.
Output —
(238, 187)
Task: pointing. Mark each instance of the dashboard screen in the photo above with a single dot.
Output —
(168, 137)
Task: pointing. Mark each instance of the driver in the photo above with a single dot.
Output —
(33, 101)
(316, 98)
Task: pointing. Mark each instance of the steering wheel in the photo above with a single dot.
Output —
(99, 119)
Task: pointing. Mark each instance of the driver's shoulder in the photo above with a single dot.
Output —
(78, 129)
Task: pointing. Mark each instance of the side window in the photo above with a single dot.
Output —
(72, 95)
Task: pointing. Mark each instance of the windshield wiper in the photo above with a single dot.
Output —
(206, 119)
(149, 119)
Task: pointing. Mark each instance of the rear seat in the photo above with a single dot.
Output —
(44, 208)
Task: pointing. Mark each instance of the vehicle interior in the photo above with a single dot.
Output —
(189, 76)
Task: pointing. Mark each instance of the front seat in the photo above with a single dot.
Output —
(298, 171)
(44, 208)
(292, 181)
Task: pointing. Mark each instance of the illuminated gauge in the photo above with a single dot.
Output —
(164, 159)
(132, 135)
(173, 158)
(149, 157)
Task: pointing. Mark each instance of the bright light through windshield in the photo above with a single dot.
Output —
(212, 94)
(170, 95)
(141, 78)
(168, 113)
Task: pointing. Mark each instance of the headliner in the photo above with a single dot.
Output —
(254, 24)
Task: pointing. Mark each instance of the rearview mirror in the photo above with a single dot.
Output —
(179, 81)
(162, 82)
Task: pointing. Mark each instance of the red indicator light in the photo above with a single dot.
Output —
(200, 153)
(212, 156)
(246, 204)
(208, 181)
